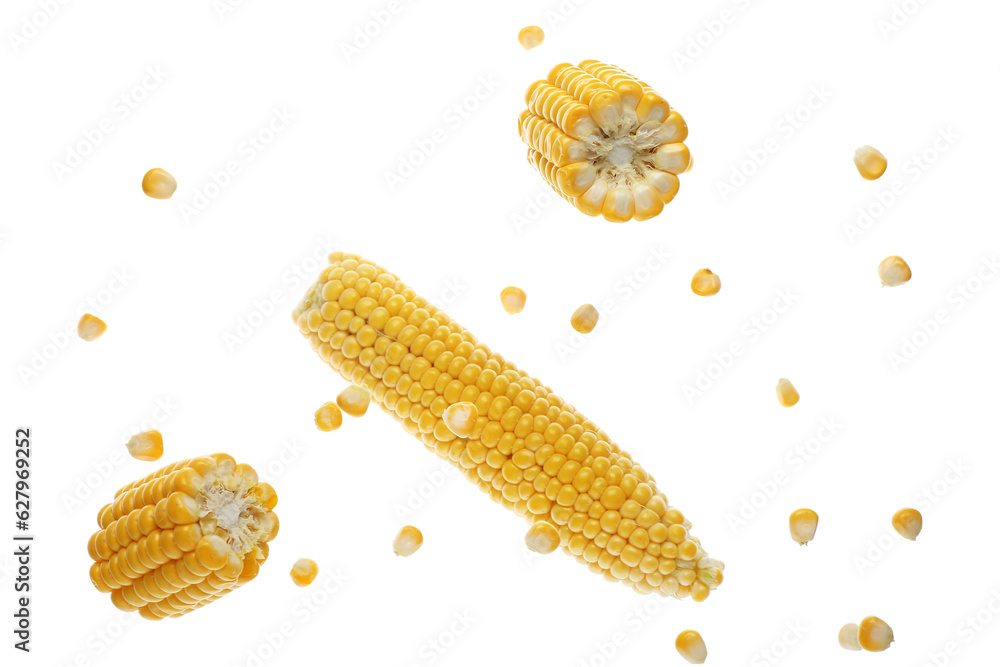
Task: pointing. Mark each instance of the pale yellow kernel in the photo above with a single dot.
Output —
(584, 319)
(354, 400)
(407, 541)
(329, 417)
(874, 634)
(848, 637)
(146, 446)
(542, 537)
(90, 327)
(530, 37)
(158, 184)
(788, 395)
(304, 571)
(870, 163)
(512, 299)
(894, 271)
(802, 525)
(908, 522)
(705, 283)
(460, 418)
(691, 647)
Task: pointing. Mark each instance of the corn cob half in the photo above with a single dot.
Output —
(529, 450)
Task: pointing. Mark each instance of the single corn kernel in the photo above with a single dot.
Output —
(354, 400)
(870, 163)
(874, 634)
(802, 524)
(848, 637)
(328, 417)
(90, 327)
(513, 298)
(530, 37)
(585, 318)
(542, 537)
(158, 184)
(146, 446)
(461, 418)
(788, 395)
(705, 283)
(407, 541)
(894, 271)
(304, 571)
(691, 647)
(908, 522)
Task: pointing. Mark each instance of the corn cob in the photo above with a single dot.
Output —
(604, 141)
(183, 536)
(528, 449)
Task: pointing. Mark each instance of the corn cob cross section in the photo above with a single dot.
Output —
(183, 536)
(529, 450)
(605, 141)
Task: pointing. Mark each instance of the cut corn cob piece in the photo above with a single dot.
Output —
(604, 141)
(183, 536)
(529, 450)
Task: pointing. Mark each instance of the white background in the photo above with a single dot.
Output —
(459, 229)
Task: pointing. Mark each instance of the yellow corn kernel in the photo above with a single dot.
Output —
(908, 522)
(158, 184)
(604, 141)
(705, 283)
(584, 318)
(513, 298)
(329, 417)
(802, 524)
(691, 647)
(542, 537)
(530, 37)
(304, 571)
(354, 400)
(874, 634)
(146, 446)
(90, 327)
(870, 163)
(182, 536)
(788, 395)
(848, 637)
(407, 541)
(529, 450)
(894, 271)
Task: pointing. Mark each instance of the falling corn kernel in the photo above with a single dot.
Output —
(530, 37)
(90, 327)
(408, 541)
(354, 400)
(146, 446)
(802, 524)
(788, 395)
(513, 298)
(542, 537)
(908, 522)
(183, 536)
(705, 283)
(848, 637)
(691, 647)
(329, 417)
(530, 451)
(158, 184)
(604, 141)
(894, 271)
(874, 634)
(461, 418)
(304, 571)
(584, 319)
(870, 163)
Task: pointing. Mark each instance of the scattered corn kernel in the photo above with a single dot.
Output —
(461, 418)
(158, 184)
(354, 400)
(90, 327)
(691, 647)
(329, 417)
(874, 634)
(894, 271)
(788, 395)
(848, 637)
(908, 522)
(304, 571)
(802, 524)
(530, 37)
(870, 163)
(705, 283)
(408, 541)
(513, 298)
(542, 537)
(146, 446)
(584, 319)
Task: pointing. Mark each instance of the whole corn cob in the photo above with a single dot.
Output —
(529, 450)
(183, 536)
(604, 140)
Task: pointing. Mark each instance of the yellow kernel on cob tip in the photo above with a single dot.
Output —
(870, 163)
(908, 522)
(874, 634)
(158, 184)
(705, 283)
(894, 271)
(354, 400)
(304, 571)
(146, 446)
(584, 318)
(691, 647)
(848, 637)
(513, 299)
(90, 327)
(542, 537)
(788, 395)
(460, 418)
(802, 525)
(530, 37)
(407, 541)
(329, 417)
